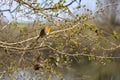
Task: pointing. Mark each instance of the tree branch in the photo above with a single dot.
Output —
(24, 48)
(38, 8)
(9, 10)
(29, 39)
(83, 54)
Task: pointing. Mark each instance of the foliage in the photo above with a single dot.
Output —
(72, 36)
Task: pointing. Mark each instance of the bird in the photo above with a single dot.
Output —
(43, 32)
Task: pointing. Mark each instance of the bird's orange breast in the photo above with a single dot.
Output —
(47, 30)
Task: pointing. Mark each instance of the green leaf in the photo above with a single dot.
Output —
(62, 1)
(1, 55)
(78, 7)
(85, 49)
(115, 34)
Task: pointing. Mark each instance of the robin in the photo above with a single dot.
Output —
(44, 31)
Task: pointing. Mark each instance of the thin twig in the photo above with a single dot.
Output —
(106, 6)
(20, 42)
(58, 31)
(39, 8)
(13, 20)
(24, 49)
(83, 54)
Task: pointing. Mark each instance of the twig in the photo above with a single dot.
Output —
(83, 54)
(106, 49)
(20, 42)
(13, 20)
(50, 8)
(106, 6)
(23, 49)
(21, 58)
(58, 31)
(11, 11)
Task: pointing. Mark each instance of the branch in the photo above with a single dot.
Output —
(107, 5)
(5, 10)
(82, 54)
(29, 39)
(106, 49)
(58, 31)
(9, 10)
(38, 8)
(54, 32)
(24, 48)
(20, 42)
(13, 20)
